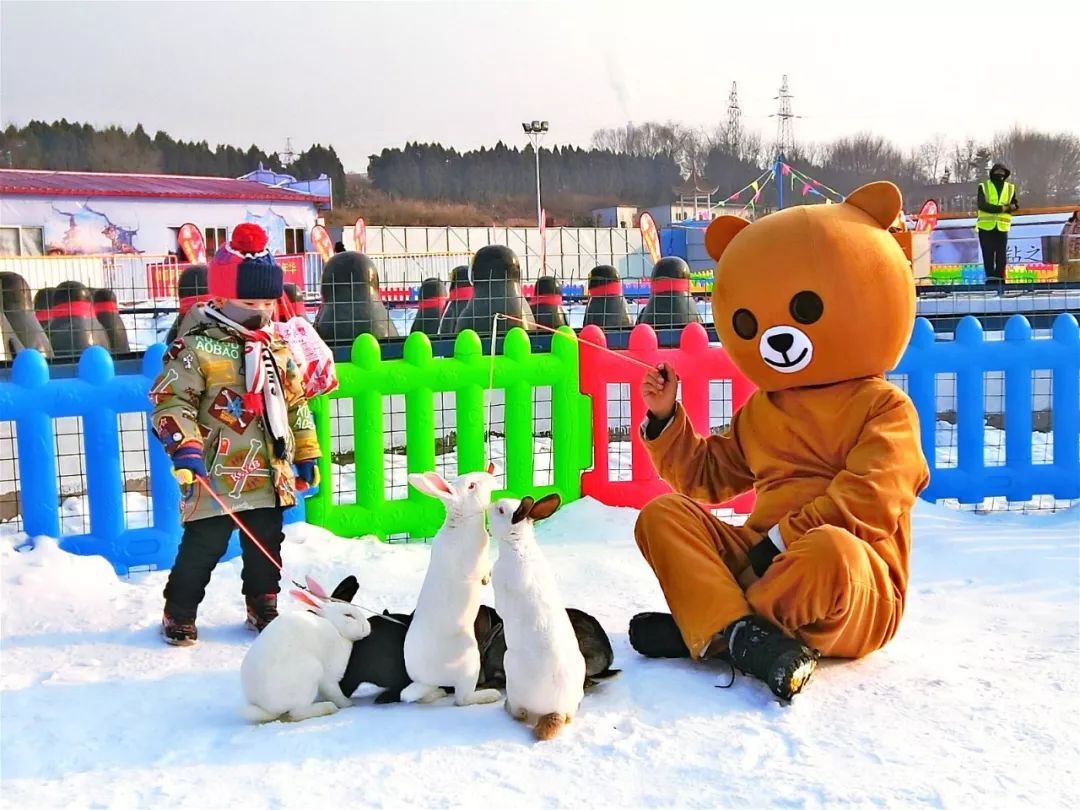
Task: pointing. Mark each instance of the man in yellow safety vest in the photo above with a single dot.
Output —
(997, 201)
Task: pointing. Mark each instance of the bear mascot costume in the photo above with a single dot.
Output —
(813, 304)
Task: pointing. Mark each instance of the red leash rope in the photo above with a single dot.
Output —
(316, 591)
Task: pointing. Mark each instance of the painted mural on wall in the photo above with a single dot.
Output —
(75, 229)
(274, 225)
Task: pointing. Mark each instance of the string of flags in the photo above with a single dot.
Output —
(808, 187)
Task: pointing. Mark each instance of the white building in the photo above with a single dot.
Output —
(87, 213)
(617, 216)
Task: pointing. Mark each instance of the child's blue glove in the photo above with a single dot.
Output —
(187, 466)
(308, 471)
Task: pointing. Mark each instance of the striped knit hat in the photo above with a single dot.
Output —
(244, 268)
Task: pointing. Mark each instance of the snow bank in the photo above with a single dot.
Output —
(974, 703)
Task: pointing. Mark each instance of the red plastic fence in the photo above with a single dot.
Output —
(697, 364)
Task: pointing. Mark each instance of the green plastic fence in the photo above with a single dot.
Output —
(419, 376)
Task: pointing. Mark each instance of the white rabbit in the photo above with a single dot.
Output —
(545, 670)
(300, 657)
(440, 647)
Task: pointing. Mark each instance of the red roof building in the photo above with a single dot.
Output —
(157, 186)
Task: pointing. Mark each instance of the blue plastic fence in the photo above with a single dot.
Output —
(32, 401)
(1016, 362)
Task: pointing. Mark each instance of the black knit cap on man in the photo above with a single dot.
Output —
(996, 204)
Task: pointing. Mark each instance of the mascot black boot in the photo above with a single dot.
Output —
(433, 300)
(18, 308)
(350, 301)
(461, 293)
(107, 312)
(547, 303)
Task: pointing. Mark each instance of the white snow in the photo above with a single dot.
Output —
(973, 704)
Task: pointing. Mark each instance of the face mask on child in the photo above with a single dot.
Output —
(246, 317)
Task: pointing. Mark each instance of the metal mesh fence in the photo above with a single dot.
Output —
(10, 512)
(71, 475)
(135, 469)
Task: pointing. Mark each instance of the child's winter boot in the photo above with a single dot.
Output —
(261, 610)
(178, 626)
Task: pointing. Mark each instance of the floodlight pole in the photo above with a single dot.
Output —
(536, 130)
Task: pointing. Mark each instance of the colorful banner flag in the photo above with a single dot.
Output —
(321, 241)
(650, 236)
(191, 243)
(785, 169)
(754, 185)
(359, 235)
(805, 189)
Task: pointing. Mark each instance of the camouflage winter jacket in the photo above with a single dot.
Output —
(199, 397)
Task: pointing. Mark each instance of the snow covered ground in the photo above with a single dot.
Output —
(973, 704)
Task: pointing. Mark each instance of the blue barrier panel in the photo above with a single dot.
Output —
(31, 401)
(1016, 358)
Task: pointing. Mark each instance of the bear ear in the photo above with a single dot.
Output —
(720, 233)
(881, 200)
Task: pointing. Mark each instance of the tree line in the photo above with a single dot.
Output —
(435, 172)
(65, 146)
(1045, 165)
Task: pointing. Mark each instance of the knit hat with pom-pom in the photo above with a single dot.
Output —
(244, 268)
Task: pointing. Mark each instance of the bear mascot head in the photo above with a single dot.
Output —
(815, 294)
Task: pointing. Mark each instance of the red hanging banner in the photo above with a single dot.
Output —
(323, 244)
(191, 242)
(359, 231)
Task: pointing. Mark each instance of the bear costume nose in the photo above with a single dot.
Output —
(781, 342)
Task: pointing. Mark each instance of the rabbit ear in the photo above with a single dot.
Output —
(303, 598)
(346, 589)
(522, 511)
(315, 587)
(433, 484)
(545, 507)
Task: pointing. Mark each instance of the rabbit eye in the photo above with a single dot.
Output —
(472, 486)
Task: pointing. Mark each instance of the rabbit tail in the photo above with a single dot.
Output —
(549, 725)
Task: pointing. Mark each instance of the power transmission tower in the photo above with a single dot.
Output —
(734, 117)
(288, 156)
(785, 130)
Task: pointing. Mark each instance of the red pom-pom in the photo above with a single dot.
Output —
(247, 237)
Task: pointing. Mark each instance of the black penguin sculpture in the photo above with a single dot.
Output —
(296, 298)
(107, 312)
(607, 304)
(18, 308)
(351, 305)
(670, 304)
(193, 290)
(496, 278)
(433, 300)
(461, 293)
(72, 327)
(10, 345)
(547, 303)
(43, 299)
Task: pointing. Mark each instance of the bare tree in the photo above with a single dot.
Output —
(1045, 166)
(931, 158)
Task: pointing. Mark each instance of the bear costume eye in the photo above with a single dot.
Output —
(806, 307)
(744, 323)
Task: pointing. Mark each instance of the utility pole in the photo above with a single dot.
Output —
(536, 130)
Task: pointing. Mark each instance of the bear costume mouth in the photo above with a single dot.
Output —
(786, 349)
